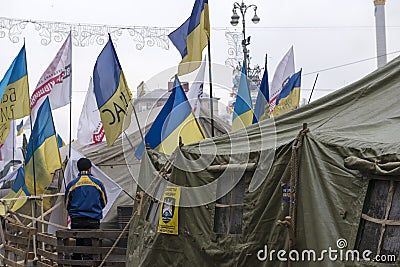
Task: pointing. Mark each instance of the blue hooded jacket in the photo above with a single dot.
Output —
(85, 197)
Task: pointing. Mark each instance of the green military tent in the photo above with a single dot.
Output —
(323, 177)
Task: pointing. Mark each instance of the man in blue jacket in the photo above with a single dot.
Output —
(85, 199)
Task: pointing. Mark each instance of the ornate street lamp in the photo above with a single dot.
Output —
(235, 20)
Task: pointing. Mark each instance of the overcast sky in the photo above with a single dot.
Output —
(324, 33)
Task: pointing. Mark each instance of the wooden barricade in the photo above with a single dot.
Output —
(46, 250)
(17, 243)
(103, 242)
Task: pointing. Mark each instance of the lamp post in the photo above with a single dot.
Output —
(235, 20)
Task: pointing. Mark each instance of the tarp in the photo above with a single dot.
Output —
(361, 120)
(119, 163)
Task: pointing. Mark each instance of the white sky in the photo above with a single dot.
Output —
(324, 33)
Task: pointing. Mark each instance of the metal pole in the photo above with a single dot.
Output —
(137, 121)
(211, 88)
(312, 91)
(244, 42)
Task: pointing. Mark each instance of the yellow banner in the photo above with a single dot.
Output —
(168, 221)
(15, 101)
(116, 112)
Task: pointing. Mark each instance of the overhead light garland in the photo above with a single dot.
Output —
(84, 35)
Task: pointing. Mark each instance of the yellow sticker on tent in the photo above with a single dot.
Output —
(168, 221)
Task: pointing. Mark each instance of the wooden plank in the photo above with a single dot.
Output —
(17, 251)
(19, 227)
(48, 239)
(90, 250)
(108, 234)
(60, 242)
(11, 263)
(43, 264)
(17, 239)
(47, 254)
(91, 262)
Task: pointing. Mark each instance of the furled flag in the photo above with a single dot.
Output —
(112, 93)
(175, 120)
(20, 128)
(90, 128)
(18, 190)
(42, 151)
(141, 89)
(289, 97)
(196, 90)
(4, 131)
(262, 98)
(14, 90)
(283, 72)
(243, 111)
(192, 37)
(60, 141)
(55, 82)
(7, 148)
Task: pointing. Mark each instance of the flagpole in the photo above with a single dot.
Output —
(70, 99)
(13, 140)
(33, 154)
(312, 91)
(211, 91)
(137, 121)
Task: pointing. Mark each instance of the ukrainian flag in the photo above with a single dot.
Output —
(262, 98)
(112, 93)
(243, 111)
(14, 90)
(42, 151)
(175, 120)
(60, 141)
(192, 37)
(20, 128)
(289, 97)
(18, 190)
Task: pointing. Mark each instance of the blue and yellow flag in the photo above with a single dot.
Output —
(112, 93)
(262, 98)
(14, 90)
(20, 128)
(192, 37)
(289, 98)
(60, 141)
(18, 190)
(243, 111)
(175, 120)
(42, 151)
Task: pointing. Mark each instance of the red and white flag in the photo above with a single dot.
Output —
(196, 90)
(90, 128)
(55, 81)
(283, 72)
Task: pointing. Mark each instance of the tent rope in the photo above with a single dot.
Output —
(294, 182)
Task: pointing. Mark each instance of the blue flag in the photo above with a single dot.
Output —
(262, 98)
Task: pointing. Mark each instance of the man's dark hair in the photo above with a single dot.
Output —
(84, 164)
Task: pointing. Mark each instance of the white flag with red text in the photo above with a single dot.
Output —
(283, 72)
(90, 128)
(55, 81)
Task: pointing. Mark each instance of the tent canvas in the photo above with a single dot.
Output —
(359, 121)
(119, 162)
